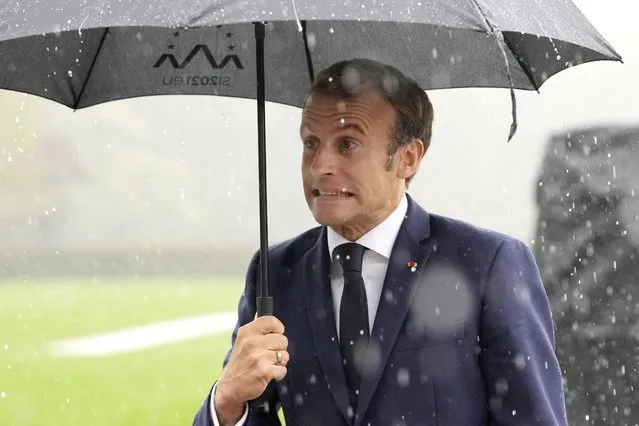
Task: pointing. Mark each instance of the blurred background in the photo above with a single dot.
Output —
(140, 212)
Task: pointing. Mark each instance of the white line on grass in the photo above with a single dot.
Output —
(146, 336)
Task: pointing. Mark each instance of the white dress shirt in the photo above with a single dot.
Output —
(379, 241)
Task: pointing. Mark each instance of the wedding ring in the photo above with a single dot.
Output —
(279, 357)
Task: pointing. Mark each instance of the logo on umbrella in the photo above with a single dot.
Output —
(226, 60)
(202, 54)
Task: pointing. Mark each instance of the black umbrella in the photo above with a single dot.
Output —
(85, 53)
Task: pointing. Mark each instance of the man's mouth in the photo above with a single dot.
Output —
(332, 193)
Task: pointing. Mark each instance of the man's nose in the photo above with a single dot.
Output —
(324, 161)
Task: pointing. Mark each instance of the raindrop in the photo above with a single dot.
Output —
(390, 84)
(3, 394)
(349, 411)
(312, 41)
(312, 380)
(299, 399)
(403, 377)
(519, 361)
(501, 387)
(388, 296)
(434, 53)
(6, 347)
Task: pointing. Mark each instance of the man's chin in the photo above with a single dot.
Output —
(330, 217)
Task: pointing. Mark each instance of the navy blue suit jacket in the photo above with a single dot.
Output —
(463, 339)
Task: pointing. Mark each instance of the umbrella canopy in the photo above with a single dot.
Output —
(85, 53)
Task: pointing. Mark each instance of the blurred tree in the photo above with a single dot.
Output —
(27, 178)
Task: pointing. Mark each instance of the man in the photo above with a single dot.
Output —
(386, 314)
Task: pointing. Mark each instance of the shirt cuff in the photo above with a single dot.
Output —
(216, 422)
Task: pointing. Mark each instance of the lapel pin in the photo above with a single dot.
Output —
(412, 265)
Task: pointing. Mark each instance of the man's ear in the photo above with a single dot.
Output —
(410, 158)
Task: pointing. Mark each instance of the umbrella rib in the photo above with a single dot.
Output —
(523, 66)
(503, 46)
(492, 28)
(95, 58)
(307, 49)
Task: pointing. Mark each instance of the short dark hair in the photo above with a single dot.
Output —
(345, 79)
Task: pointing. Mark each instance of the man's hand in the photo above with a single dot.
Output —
(252, 365)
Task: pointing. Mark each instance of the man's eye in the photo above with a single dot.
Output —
(346, 144)
(309, 144)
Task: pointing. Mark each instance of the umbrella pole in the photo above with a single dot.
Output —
(264, 301)
(262, 404)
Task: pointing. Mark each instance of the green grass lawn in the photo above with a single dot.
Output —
(164, 385)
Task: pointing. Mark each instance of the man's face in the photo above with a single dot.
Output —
(350, 182)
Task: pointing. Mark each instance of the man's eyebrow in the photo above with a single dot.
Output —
(352, 126)
(305, 128)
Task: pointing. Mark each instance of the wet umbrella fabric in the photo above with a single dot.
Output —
(85, 53)
(82, 54)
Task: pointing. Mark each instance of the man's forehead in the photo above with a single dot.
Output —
(357, 113)
(368, 96)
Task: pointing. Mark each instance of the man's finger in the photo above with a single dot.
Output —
(274, 342)
(278, 372)
(268, 324)
(281, 359)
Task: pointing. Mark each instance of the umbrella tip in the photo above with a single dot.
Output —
(513, 130)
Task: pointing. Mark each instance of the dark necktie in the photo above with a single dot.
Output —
(353, 319)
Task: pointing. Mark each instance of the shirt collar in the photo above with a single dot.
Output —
(379, 239)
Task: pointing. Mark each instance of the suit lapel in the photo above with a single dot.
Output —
(397, 293)
(322, 319)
